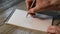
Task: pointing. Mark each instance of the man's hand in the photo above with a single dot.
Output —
(53, 30)
(43, 5)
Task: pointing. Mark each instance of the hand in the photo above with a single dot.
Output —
(43, 5)
(53, 30)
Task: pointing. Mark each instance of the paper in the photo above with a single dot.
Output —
(19, 19)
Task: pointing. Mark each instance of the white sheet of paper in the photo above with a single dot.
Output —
(19, 19)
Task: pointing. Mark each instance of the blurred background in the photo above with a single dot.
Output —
(7, 8)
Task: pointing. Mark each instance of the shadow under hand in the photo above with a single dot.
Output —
(41, 16)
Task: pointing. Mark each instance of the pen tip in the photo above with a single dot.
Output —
(27, 15)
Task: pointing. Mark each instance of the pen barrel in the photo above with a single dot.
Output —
(33, 4)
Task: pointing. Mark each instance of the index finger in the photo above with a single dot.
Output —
(28, 3)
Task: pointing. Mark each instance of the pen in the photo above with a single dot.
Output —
(52, 21)
(31, 7)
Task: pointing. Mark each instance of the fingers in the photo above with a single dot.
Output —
(34, 9)
(28, 2)
(53, 30)
(39, 6)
